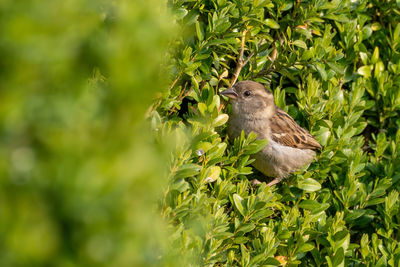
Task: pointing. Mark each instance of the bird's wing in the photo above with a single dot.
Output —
(286, 131)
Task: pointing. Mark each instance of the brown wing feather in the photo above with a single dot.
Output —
(286, 131)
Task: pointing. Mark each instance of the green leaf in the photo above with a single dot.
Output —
(222, 41)
(379, 68)
(309, 184)
(396, 33)
(212, 174)
(309, 204)
(202, 108)
(341, 236)
(223, 27)
(245, 228)
(364, 58)
(187, 170)
(220, 120)
(375, 55)
(366, 32)
(336, 67)
(338, 259)
(353, 215)
(191, 67)
(300, 43)
(287, 5)
(382, 262)
(180, 13)
(180, 185)
(339, 18)
(375, 201)
(213, 81)
(305, 248)
(322, 135)
(255, 147)
(191, 17)
(199, 31)
(313, 206)
(272, 24)
(272, 262)
(376, 26)
(187, 52)
(305, 32)
(237, 200)
(321, 70)
(261, 214)
(241, 240)
(365, 71)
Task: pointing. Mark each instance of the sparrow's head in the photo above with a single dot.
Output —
(250, 97)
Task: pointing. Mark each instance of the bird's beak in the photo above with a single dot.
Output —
(230, 93)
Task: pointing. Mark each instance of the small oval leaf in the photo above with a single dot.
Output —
(365, 71)
(309, 184)
(238, 203)
(300, 43)
(220, 120)
(272, 24)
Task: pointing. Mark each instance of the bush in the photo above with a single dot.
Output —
(334, 67)
(84, 179)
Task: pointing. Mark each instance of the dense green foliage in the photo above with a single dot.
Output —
(335, 68)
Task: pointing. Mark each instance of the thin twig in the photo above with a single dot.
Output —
(241, 62)
(175, 81)
(180, 97)
(272, 59)
(248, 58)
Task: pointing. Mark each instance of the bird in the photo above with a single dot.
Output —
(289, 148)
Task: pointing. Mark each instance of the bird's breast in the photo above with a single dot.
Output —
(256, 124)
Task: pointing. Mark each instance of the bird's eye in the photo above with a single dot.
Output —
(247, 93)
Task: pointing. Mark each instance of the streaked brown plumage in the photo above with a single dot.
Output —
(290, 147)
(287, 132)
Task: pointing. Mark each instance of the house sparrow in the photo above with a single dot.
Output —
(289, 147)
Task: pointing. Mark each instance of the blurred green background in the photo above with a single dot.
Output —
(80, 174)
